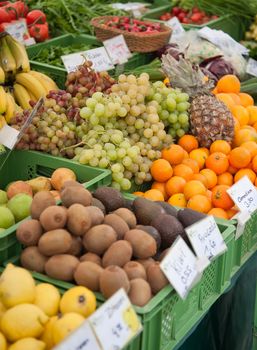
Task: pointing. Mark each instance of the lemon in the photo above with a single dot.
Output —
(47, 335)
(80, 300)
(3, 342)
(2, 310)
(65, 325)
(24, 320)
(28, 344)
(47, 298)
(17, 286)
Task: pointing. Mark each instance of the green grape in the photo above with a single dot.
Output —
(180, 132)
(121, 152)
(109, 146)
(139, 124)
(125, 144)
(116, 168)
(105, 138)
(116, 185)
(103, 163)
(112, 154)
(85, 112)
(94, 120)
(158, 84)
(117, 177)
(171, 103)
(172, 132)
(173, 118)
(122, 112)
(125, 184)
(182, 97)
(126, 161)
(91, 103)
(148, 133)
(164, 114)
(94, 162)
(98, 96)
(176, 126)
(99, 110)
(183, 106)
(116, 138)
(157, 97)
(133, 151)
(183, 118)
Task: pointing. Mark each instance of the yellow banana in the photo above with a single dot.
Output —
(2, 121)
(19, 53)
(21, 96)
(32, 97)
(47, 82)
(3, 100)
(32, 84)
(2, 75)
(10, 110)
(6, 58)
(18, 108)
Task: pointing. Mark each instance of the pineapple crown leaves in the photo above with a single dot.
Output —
(186, 76)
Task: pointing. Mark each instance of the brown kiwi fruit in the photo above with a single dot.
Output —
(144, 246)
(119, 253)
(146, 262)
(98, 204)
(79, 220)
(134, 270)
(96, 215)
(61, 267)
(33, 260)
(127, 216)
(140, 292)
(53, 217)
(99, 238)
(76, 246)
(117, 223)
(156, 277)
(71, 183)
(91, 257)
(40, 202)
(112, 279)
(75, 194)
(55, 242)
(152, 232)
(87, 274)
(29, 232)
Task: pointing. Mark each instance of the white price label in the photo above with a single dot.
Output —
(18, 29)
(206, 238)
(180, 267)
(244, 194)
(82, 338)
(242, 218)
(117, 49)
(8, 136)
(115, 323)
(251, 67)
(177, 28)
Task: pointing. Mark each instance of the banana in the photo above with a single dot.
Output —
(21, 96)
(47, 82)
(32, 97)
(2, 75)
(6, 58)
(10, 110)
(32, 84)
(18, 108)
(19, 53)
(2, 121)
(3, 100)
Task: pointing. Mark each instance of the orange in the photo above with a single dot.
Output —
(235, 98)
(220, 146)
(194, 187)
(188, 142)
(192, 164)
(232, 170)
(239, 157)
(218, 213)
(254, 164)
(215, 91)
(226, 99)
(246, 99)
(218, 162)
(201, 178)
(252, 110)
(205, 150)
(228, 83)
(251, 146)
(161, 170)
(220, 198)
(245, 172)
(186, 155)
(209, 194)
(244, 135)
(174, 154)
(200, 203)
(255, 126)
(183, 170)
(160, 186)
(178, 200)
(154, 195)
(231, 212)
(225, 179)
(241, 114)
(139, 194)
(237, 125)
(255, 182)
(175, 185)
(210, 176)
(200, 156)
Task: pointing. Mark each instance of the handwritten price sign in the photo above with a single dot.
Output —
(117, 49)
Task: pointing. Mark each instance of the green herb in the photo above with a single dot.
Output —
(153, 69)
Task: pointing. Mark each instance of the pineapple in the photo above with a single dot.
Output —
(210, 119)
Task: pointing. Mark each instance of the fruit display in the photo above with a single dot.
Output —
(132, 25)
(194, 16)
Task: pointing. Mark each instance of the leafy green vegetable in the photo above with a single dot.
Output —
(153, 69)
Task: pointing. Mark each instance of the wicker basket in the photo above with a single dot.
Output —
(137, 42)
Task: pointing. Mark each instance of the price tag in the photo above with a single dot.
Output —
(251, 67)
(82, 338)
(206, 238)
(99, 57)
(177, 28)
(117, 49)
(180, 267)
(242, 218)
(115, 323)
(244, 194)
(18, 29)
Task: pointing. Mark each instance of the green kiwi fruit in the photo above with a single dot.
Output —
(91, 257)
(33, 260)
(146, 262)
(140, 292)
(112, 279)
(156, 278)
(96, 215)
(117, 223)
(144, 246)
(40, 202)
(75, 195)
(99, 238)
(76, 246)
(127, 216)
(78, 219)
(134, 270)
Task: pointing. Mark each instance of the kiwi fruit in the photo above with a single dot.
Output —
(53, 217)
(61, 267)
(96, 215)
(29, 232)
(119, 253)
(78, 219)
(152, 232)
(33, 260)
(71, 183)
(140, 292)
(112, 279)
(127, 216)
(75, 194)
(98, 204)
(146, 262)
(144, 246)
(169, 209)
(117, 223)
(188, 216)
(99, 238)
(87, 274)
(40, 202)
(146, 210)
(76, 246)
(55, 242)
(111, 198)
(156, 277)
(91, 257)
(134, 270)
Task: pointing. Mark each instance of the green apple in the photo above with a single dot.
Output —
(20, 206)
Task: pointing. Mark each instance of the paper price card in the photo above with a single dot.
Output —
(180, 267)
(18, 29)
(251, 67)
(206, 238)
(177, 28)
(115, 323)
(117, 49)
(244, 194)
